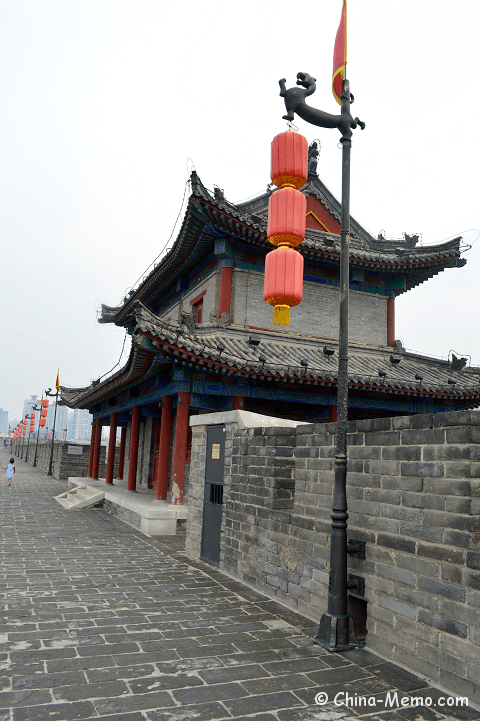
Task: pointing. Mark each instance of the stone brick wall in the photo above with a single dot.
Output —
(413, 497)
(210, 299)
(63, 463)
(124, 514)
(66, 465)
(368, 312)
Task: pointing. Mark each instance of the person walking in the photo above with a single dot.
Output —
(10, 470)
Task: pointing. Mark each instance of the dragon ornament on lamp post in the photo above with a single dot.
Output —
(336, 631)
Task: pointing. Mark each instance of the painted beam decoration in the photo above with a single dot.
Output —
(287, 211)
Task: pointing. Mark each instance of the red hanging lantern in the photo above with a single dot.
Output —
(45, 403)
(43, 413)
(287, 210)
(283, 282)
(42, 422)
(287, 215)
(289, 160)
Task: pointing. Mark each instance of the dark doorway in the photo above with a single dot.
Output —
(213, 498)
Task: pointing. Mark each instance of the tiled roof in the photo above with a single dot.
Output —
(140, 362)
(203, 349)
(207, 214)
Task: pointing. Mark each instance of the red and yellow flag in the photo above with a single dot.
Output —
(340, 56)
(57, 382)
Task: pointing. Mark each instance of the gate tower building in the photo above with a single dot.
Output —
(203, 339)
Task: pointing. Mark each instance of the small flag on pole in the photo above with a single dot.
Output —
(57, 382)
(340, 56)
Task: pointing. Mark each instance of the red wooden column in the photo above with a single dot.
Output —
(111, 448)
(181, 435)
(238, 403)
(133, 453)
(92, 448)
(121, 455)
(333, 414)
(224, 301)
(96, 449)
(390, 321)
(164, 452)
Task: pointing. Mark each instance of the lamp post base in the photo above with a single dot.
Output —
(336, 633)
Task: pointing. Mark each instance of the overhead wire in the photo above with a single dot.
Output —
(153, 263)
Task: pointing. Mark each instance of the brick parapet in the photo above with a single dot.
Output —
(65, 464)
(414, 498)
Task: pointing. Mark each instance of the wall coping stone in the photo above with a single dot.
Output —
(243, 419)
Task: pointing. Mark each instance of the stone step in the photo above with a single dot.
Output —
(81, 497)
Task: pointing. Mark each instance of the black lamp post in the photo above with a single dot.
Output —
(48, 392)
(21, 451)
(19, 436)
(28, 439)
(336, 631)
(37, 408)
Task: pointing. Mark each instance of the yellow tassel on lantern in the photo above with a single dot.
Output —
(281, 315)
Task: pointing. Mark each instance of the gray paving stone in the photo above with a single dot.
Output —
(10, 699)
(336, 675)
(77, 664)
(316, 713)
(233, 673)
(120, 717)
(55, 712)
(165, 682)
(90, 691)
(197, 712)
(113, 673)
(159, 700)
(267, 702)
(100, 622)
(50, 680)
(301, 665)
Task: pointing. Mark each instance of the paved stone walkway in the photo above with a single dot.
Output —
(100, 622)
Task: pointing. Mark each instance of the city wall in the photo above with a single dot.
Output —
(65, 463)
(413, 497)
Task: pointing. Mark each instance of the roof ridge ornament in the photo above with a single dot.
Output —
(313, 153)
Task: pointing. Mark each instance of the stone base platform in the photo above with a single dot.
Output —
(139, 509)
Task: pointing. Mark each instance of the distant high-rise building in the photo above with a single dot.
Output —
(61, 421)
(70, 435)
(4, 421)
(82, 421)
(28, 406)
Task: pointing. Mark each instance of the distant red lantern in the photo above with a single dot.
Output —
(289, 158)
(42, 422)
(45, 403)
(283, 286)
(43, 413)
(287, 209)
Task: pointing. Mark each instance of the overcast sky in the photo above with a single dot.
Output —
(106, 103)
